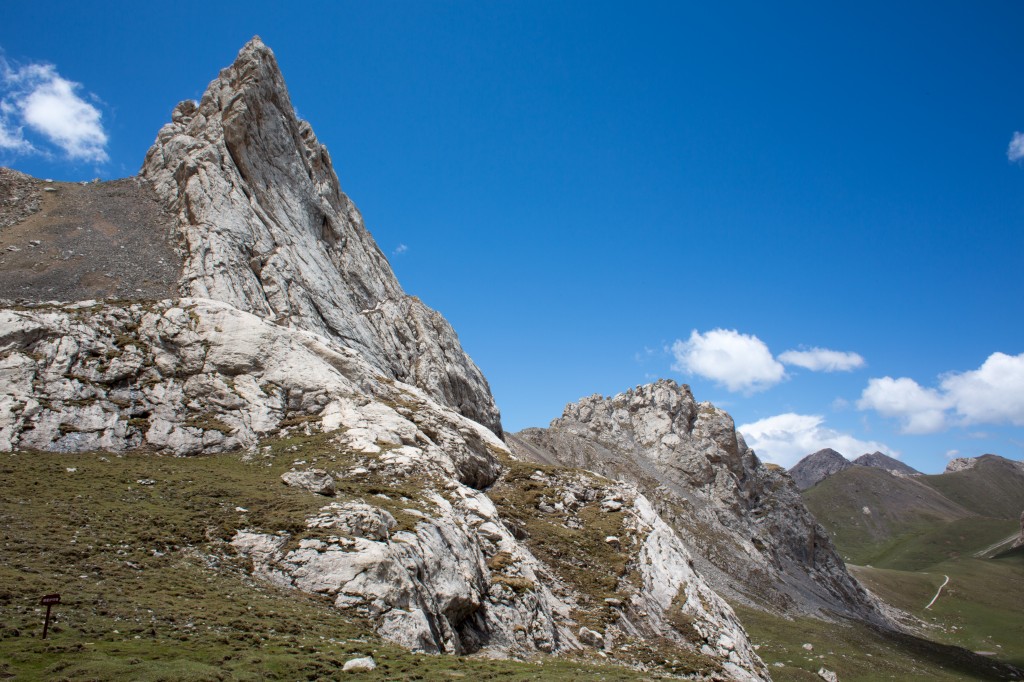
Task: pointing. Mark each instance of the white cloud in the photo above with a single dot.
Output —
(1015, 152)
(37, 97)
(401, 248)
(991, 394)
(920, 410)
(11, 137)
(787, 438)
(739, 362)
(823, 360)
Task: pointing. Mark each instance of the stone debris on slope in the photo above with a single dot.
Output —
(20, 196)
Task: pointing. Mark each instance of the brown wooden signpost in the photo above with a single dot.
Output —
(48, 601)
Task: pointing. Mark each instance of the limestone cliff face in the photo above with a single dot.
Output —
(409, 539)
(268, 230)
(296, 338)
(745, 523)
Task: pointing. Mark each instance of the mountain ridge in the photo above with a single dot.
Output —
(294, 356)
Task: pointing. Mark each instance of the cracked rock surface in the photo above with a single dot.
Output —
(268, 230)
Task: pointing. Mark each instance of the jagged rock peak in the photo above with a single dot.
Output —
(818, 466)
(664, 395)
(268, 230)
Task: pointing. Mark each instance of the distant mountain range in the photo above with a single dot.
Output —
(879, 517)
(818, 466)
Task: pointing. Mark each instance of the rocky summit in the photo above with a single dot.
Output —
(275, 328)
(816, 467)
(744, 521)
(268, 230)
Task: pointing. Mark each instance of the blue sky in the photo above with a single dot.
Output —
(600, 194)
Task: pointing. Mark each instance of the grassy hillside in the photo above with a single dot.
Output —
(150, 590)
(869, 511)
(994, 487)
(921, 531)
(980, 608)
(860, 653)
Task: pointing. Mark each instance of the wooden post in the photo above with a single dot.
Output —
(48, 601)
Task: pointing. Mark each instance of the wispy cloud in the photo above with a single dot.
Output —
(823, 360)
(991, 394)
(739, 362)
(400, 249)
(1015, 152)
(787, 438)
(34, 97)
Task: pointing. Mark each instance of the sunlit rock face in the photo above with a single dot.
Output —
(267, 229)
(292, 332)
(745, 523)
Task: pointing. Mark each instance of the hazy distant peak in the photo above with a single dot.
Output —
(890, 464)
(817, 466)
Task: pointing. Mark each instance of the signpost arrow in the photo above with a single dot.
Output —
(48, 601)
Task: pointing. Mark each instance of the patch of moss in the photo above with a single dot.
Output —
(209, 422)
(680, 619)
(579, 556)
(140, 423)
(518, 584)
(500, 561)
(298, 420)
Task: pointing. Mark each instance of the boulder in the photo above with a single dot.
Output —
(314, 480)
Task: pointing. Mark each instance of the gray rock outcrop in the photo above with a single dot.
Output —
(744, 523)
(961, 464)
(816, 467)
(268, 230)
(314, 480)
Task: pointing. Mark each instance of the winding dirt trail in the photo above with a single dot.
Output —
(937, 593)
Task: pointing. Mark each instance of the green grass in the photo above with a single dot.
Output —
(927, 546)
(994, 487)
(859, 653)
(151, 590)
(899, 508)
(980, 608)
